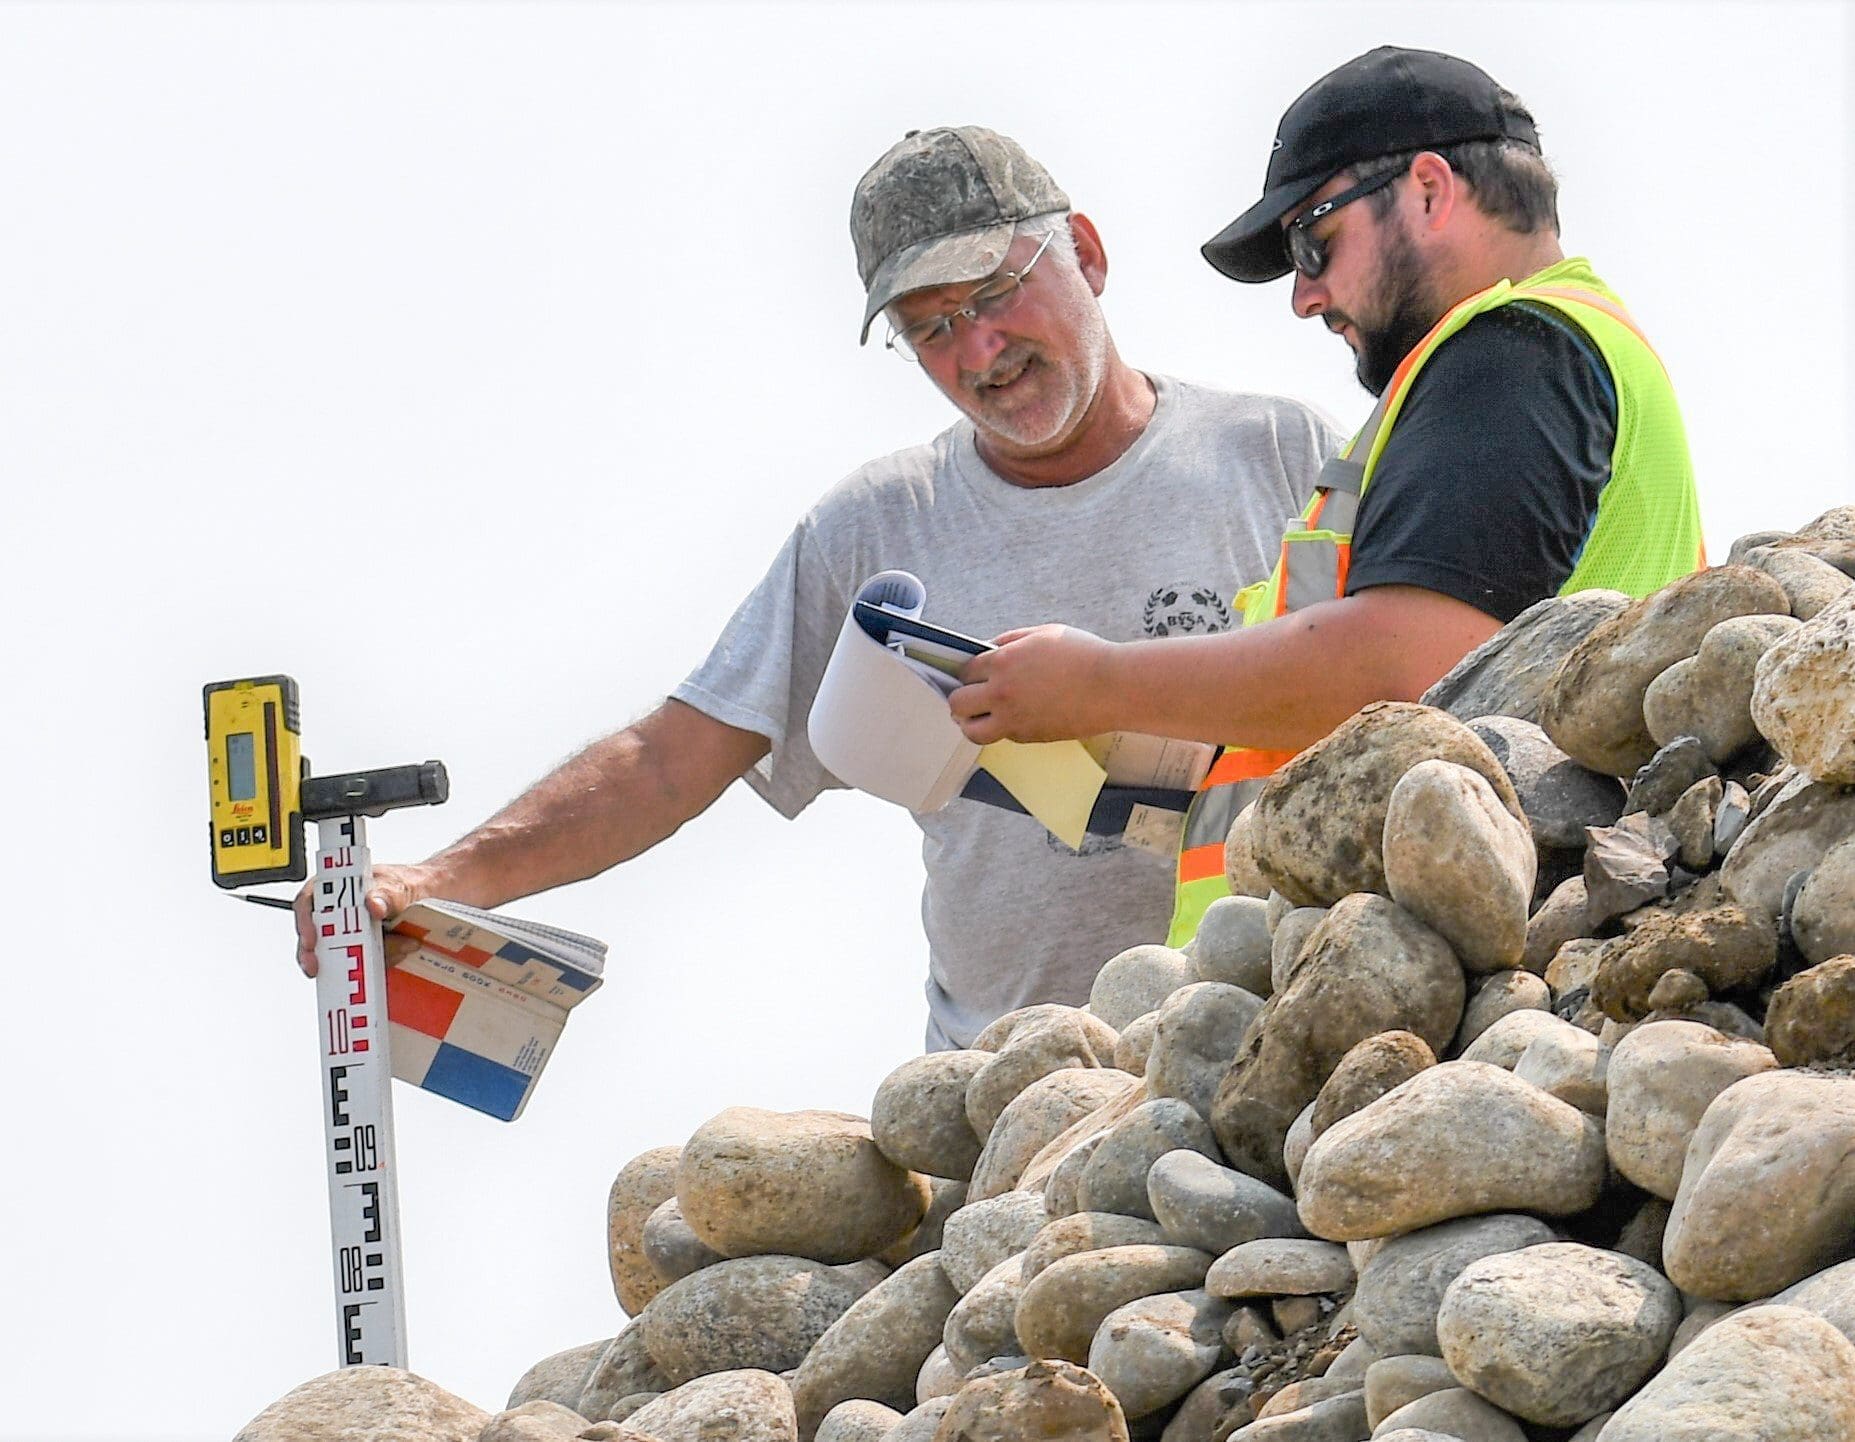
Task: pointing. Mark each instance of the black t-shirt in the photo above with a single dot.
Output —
(1488, 486)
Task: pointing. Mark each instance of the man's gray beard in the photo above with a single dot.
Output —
(1086, 379)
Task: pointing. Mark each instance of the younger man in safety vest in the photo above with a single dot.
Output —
(1526, 442)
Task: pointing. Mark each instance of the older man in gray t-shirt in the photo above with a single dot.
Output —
(1074, 488)
(1156, 543)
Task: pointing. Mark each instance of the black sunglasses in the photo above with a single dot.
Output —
(1307, 253)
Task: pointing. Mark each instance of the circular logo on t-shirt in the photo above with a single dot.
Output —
(1185, 608)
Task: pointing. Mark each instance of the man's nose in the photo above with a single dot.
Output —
(1310, 297)
(979, 343)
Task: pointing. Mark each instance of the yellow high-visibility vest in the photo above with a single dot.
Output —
(1646, 533)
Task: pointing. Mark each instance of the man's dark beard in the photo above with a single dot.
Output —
(1407, 310)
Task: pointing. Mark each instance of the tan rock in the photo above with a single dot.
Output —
(802, 1184)
(642, 1185)
(918, 1119)
(1065, 1302)
(1593, 709)
(1459, 861)
(1045, 1399)
(1766, 1196)
(1766, 1374)
(1031, 1043)
(1486, 1141)
(366, 1402)
(736, 1406)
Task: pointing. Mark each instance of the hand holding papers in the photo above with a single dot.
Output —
(881, 724)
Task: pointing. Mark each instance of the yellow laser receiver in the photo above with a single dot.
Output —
(254, 761)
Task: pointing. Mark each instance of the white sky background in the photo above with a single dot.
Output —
(469, 363)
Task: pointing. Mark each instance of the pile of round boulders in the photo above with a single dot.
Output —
(1509, 1096)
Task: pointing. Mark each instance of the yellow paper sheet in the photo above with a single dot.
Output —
(1058, 782)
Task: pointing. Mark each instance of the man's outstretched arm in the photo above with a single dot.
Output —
(1281, 686)
(617, 798)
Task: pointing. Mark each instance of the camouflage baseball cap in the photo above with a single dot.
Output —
(941, 207)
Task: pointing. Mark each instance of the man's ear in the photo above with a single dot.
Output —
(1436, 190)
(1091, 259)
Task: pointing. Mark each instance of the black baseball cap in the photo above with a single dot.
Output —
(1385, 101)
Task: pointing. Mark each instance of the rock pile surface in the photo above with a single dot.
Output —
(1510, 1097)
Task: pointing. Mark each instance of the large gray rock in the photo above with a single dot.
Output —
(1790, 834)
(624, 1369)
(1290, 938)
(1571, 1064)
(1767, 1196)
(1320, 820)
(534, 1422)
(918, 1118)
(858, 1420)
(745, 1405)
(1506, 1040)
(1460, 862)
(1560, 798)
(1214, 1208)
(1593, 705)
(1661, 1079)
(1281, 1267)
(1500, 994)
(1558, 1332)
(1333, 1419)
(1507, 674)
(1194, 1038)
(1767, 1374)
(1038, 1115)
(876, 1348)
(1152, 1351)
(1803, 698)
(1709, 695)
(1397, 1381)
(1829, 1294)
(1823, 915)
(1138, 980)
(1460, 1138)
(560, 1377)
(801, 1184)
(922, 1424)
(1369, 967)
(1115, 1179)
(1451, 1412)
(754, 1313)
(1062, 1306)
(1220, 1395)
(643, 1184)
(982, 1324)
(982, 1234)
(383, 1402)
(1233, 944)
(1811, 584)
(672, 1247)
(1401, 1286)
(1027, 1044)
(1090, 1232)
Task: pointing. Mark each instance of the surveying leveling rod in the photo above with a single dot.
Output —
(357, 1070)
(261, 798)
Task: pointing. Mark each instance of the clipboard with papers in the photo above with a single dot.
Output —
(880, 723)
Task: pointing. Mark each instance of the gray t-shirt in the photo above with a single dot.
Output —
(1157, 544)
